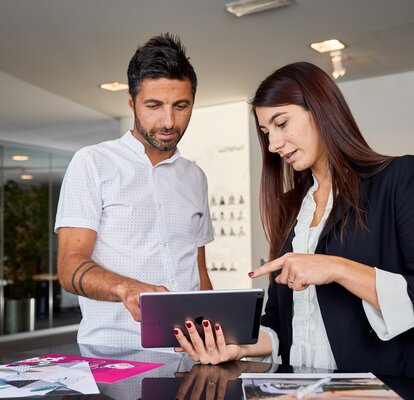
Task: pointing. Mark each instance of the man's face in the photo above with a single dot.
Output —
(162, 112)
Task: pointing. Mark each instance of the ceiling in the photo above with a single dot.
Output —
(54, 53)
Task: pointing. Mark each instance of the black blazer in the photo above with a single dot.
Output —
(388, 244)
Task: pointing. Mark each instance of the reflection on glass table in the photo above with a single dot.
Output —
(202, 382)
(179, 377)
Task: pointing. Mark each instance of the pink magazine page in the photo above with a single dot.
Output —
(104, 370)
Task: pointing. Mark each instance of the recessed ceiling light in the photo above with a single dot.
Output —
(20, 157)
(243, 7)
(114, 86)
(328, 45)
(26, 177)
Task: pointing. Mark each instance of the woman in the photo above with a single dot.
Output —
(339, 218)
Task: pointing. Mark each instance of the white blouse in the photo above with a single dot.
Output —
(310, 344)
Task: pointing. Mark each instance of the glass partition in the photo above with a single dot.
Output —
(30, 295)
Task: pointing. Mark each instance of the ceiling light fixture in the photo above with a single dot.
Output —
(113, 86)
(328, 45)
(20, 157)
(338, 68)
(26, 177)
(243, 7)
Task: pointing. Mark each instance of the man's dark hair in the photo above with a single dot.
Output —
(161, 56)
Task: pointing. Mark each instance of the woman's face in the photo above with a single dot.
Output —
(293, 135)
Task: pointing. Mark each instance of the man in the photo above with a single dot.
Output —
(133, 214)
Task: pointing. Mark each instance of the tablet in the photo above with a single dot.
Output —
(237, 311)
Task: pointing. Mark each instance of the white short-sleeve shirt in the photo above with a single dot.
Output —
(150, 221)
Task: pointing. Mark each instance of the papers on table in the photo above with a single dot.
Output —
(104, 370)
(358, 386)
(34, 380)
(64, 374)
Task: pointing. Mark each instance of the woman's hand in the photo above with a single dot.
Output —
(298, 271)
(213, 378)
(213, 350)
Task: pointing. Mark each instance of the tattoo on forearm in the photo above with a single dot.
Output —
(76, 271)
(82, 276)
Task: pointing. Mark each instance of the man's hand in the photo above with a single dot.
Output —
(129, 292)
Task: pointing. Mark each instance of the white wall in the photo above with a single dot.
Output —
(218, 140)
(383, 109)
(259, 243)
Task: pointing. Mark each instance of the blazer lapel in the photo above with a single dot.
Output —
(339, 211)
(287, 247)
(331, 222)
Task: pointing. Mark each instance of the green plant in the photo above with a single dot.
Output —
(25, 237)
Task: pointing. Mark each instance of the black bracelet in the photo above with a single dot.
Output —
(76, 271)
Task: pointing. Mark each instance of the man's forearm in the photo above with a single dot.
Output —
(93, 281)
(89, 279)
(80, 274)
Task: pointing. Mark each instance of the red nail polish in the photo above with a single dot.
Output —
(251, 274)
(188, 324)
(217, 326)
(175, 331)
(205, 323)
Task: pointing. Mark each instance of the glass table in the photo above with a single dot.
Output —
(179, 377)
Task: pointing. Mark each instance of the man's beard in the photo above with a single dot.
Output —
(151, 139)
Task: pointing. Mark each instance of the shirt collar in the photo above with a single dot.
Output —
(139, 149)
(313, 189)
(314, 186)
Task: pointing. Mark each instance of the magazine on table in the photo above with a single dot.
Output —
(315, 386)
(61, 374)
(104, 370)
(27, 380)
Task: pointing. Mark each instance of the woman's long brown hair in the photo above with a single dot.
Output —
(349, 156)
